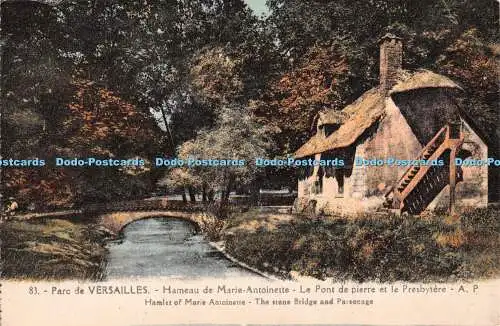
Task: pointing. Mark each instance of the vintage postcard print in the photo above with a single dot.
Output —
(249, 162)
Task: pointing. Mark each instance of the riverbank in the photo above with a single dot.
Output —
(75, 246)
(53, 249)
(368, 248)
(276, 245)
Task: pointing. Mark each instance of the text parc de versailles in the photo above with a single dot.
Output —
(162, 162)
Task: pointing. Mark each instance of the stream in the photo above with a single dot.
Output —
(167, 247)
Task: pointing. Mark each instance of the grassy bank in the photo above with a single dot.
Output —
(52, 249)
(390, 248)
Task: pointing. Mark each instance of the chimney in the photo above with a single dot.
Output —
(391, 60)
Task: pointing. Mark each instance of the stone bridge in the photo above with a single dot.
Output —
(116, 215)
(116, 221)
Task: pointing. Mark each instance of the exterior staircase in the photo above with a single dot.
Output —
(419, 185)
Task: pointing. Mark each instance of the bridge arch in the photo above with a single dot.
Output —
(116, 221)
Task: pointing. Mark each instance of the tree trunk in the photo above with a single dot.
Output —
(225, 194)
(184, 198)
(204, 193)
(211, 195)
(254, 192)
(167, 126)
(192, 195)
(228, 190)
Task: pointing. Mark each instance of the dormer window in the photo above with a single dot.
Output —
(321, 131)
(326, 123)
(329, 129)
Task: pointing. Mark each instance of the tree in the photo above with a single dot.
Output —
(236, 136)
(319, 81)
(96, 123)
(429, 29)
(215, 77)
(474, 63)
(188, 63)
(179, 179)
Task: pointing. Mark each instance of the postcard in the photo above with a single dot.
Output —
(249, 162)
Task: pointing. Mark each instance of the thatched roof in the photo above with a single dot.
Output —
(361, 115)
(331, 117)
(365, 111)
(421, 79)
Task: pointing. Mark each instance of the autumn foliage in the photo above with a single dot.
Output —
(314, 84)
(100, 123)
(190, 60)
(42, 187)
(474, 63)
(96, 123)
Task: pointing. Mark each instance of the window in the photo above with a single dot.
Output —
(339, 176)
(329, 129)
(322, 131)
(318, 182)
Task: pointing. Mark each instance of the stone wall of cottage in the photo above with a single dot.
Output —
(394, 136)
(427, 110)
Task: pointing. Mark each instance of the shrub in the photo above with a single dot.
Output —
(376, 249)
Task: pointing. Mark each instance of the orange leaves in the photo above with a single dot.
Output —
(101, 115)
(306, 89)
(96, 123)
(33, 186)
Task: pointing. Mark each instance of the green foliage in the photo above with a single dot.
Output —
(472, 61)
(52, 250)
(236, 136)
(95, 123)
(49, 48)
(432, 33)
(318, 80)
(183, 61)
(376, 249)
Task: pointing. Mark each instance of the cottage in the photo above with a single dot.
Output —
(401, 143)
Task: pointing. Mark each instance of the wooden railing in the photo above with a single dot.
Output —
(446, 140)
(144, 205)
(427, 148)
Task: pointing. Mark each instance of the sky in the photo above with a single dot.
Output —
(258, 6)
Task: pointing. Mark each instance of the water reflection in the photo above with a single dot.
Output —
(169, 248)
